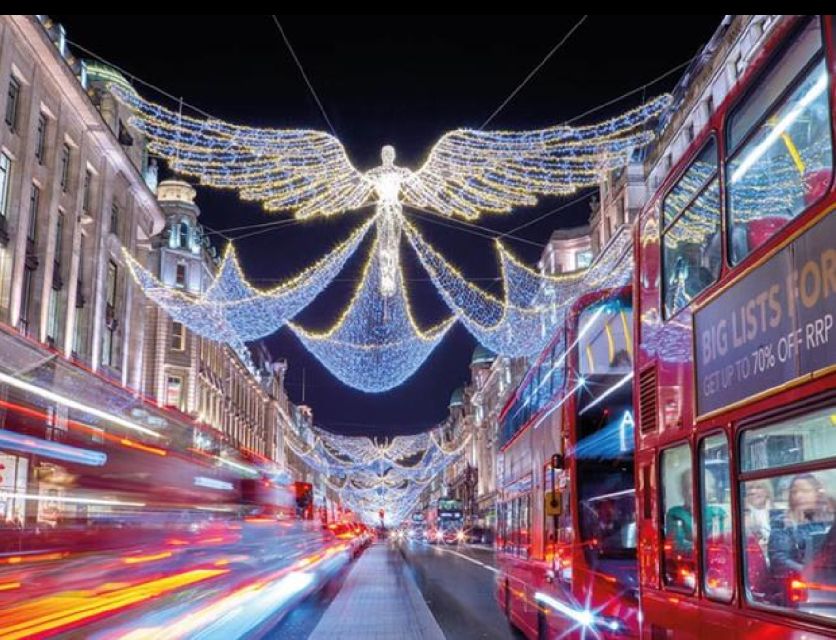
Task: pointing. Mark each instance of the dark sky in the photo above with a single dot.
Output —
(389, 80)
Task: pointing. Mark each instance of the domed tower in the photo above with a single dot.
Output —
(182, 259)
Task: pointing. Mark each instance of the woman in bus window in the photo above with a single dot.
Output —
(795, 538)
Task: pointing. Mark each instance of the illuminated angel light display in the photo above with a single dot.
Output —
(369, 475)
(376, 344)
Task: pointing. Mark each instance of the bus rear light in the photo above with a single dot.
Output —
(798, 591)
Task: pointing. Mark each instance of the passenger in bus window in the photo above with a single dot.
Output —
(821, 574)
(758, 506)
(679, 520)
(798, 536)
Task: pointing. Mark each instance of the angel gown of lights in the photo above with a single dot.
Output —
(376, 345)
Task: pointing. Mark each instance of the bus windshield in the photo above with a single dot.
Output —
(604, 436)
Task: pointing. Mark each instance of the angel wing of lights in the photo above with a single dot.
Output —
(284, 169)
(376, 344)
(231, 309)
(469, 172)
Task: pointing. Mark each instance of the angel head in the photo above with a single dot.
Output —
(387, 155)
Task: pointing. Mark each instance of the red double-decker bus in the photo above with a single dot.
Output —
(566, 537)
(735, 291)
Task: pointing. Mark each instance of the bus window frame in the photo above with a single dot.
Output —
(765, 419)
(753, 83)
(712, 135)
(733, 520)
(660, 506)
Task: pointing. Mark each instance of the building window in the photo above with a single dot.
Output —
(13, 103)
(59, 235)
(739, 65)
(678, 509)
(65, 167)
(180, 275)
(26, 300)
(709, 105)
(5, 184)
(80, 335)
(173, 391)
(34, 202)
(114, 219)
(53, 329)
(178, 336)
(583, 259)
(109, 335)
(85, 198)
(40, 140)
(184, 235)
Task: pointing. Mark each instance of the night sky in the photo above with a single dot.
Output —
(389, 80)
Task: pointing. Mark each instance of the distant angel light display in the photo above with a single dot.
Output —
(467, 172)
(370, 475)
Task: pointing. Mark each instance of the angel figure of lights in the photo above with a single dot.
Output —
(467, 172)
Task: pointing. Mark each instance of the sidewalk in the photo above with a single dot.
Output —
(378, 601)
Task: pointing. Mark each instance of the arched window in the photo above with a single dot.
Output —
(174, 236)
(184, 234)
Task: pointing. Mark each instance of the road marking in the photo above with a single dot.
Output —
(461, 555)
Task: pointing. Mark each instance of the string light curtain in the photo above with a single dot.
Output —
(231, 309)
(376, 344)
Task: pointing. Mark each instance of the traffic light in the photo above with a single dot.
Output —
(381, 513)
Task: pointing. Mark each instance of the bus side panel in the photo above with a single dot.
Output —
(648, 551)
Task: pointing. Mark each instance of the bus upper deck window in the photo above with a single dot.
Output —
(691, 246)
(780, 145)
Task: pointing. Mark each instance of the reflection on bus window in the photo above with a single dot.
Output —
(678, 507)
(536, 392)
(790, 543)
(701, 170)
(718, 549)
(605, 442)
(785, 163)
(692, 250)
(514, 535)
(799, 439)
(605, 343)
